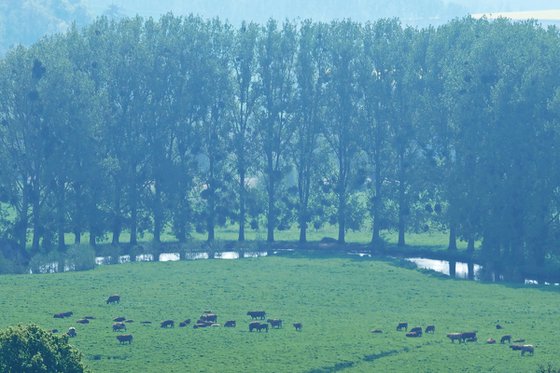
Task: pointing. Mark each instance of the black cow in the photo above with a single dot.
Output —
(118, 326)
(211, 317)
(275, 323)
(417, 330)
(83, 321)
(298, 326)
(430, 329)
(402, 325)
(255, 325)
(263, 326)
(114, 299)
(119, 319)
(230, 324)
(167, 324)
(506, 338)
(125, 338)
(468, 337)
(71, 332)
(257, 315)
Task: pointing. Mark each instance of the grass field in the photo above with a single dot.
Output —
(338, 300)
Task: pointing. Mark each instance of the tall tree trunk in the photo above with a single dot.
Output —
(23, 217)
(157, 213)
(271, 217)
(377, 200)
(77, 236)
(470, 246)
(92, 238)
(211, 208)
(402, 212)
(341, 216)
(134, 214)
(452, 238)
(60, 214)
(37, 229)
(242, 197)
(117, 219)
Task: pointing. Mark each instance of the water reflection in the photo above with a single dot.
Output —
(450, 268)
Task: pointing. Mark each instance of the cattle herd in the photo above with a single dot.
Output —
(258, 324)
(465, 337)
(207, 319)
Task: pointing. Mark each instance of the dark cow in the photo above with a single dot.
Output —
(413, 334)
(263, 326)
(491, 341)
(125, 338)
(523, 348)
(71, 332)
(298, 326)
(468, 337)
(119, 319)
(402, 325)
(376, 331)
(211, 317)
(506, 338)
(182, 324)
(54, 331)
(83, 321)
(230, 324)
(118, 326)
(521, 340)
(257, 315)
(498, 326)
(114, 299)
(167, 324)
(145, 322)
(89, 317)
(255, 325)
(455, 337)
(67, 314)
(430, 329)
(417, 330)
(275, 323)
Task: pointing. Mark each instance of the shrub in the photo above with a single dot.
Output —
(80, 257)
(46, 263)
(28, 348)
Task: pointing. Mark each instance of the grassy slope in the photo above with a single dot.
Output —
(338, 301)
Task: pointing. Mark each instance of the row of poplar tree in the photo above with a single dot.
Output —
(185, 123)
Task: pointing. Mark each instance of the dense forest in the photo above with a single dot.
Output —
(183, 124)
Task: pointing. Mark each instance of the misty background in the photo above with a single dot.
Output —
(25, 21)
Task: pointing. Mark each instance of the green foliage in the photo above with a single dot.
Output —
(30, 349)
(80, 257)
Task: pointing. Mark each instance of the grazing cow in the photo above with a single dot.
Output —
(263, 326)
(491, 341)
(417, 330)
(67, 314)
(167, 324)
(376, 331)
(430, 329)
(527, 348)
(119, 319)
(455, 337)
(257, 315)
(516, 347)
(275, 323)
(83, 321)
(114, 299)
(58, 316)
(413, 334)
(89, 317)
(498, 326)
(468, 337)
(506, 338)
(184, 323)
(125, 338)
(255, 325)
(72, 332)
(118, 326)
(54, 331)
(298, 326)
(211, 317)
(230, 324)
(402, 325)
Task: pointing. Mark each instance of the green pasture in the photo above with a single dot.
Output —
(338, 300)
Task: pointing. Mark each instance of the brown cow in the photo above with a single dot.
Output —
(506, 338)
(114, 299)
(430, 329)
(402, 325)
(275, 323)
(125, 338)
(298, 326)
(167, 324)
(230, 324)
(257, 315)
(118, 326)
